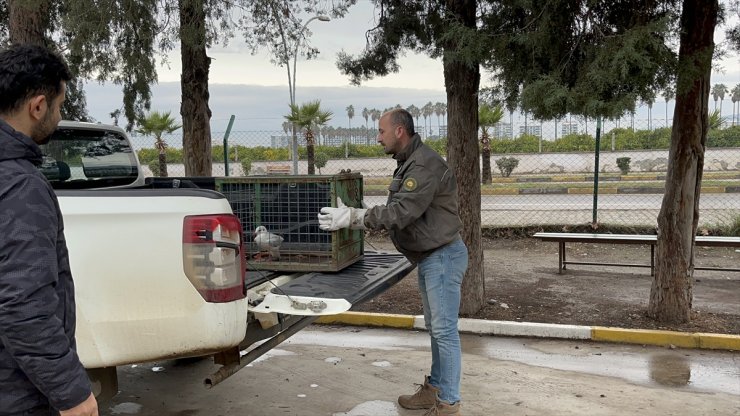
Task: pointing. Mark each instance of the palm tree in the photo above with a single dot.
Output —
(735, 98)
(439, 110)
(649, 100)
(487, 117)
(366, 115)
(375, 116)
(157, 124)
(415, 113)
(427, 111)
(350, 114)
(308, 117)
(718, 92)
(669, 94)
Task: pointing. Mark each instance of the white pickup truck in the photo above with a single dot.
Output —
(160, 273)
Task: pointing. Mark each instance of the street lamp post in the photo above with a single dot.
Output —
(291, 79)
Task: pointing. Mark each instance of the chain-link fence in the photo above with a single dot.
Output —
(543, 172)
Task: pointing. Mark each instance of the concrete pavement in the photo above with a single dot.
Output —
(540, 330)
(351, 371)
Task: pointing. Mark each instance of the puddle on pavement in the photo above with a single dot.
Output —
(373, 408)
(670, 370)
(713, 371)
(688, 368)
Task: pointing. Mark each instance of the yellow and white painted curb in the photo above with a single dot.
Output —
(539, 330)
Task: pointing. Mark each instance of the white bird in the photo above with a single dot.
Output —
(268, 242)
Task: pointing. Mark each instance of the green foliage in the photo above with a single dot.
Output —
(729, 137)
(246, 165)
(573, 142)
(321, 160)
(154, 167)
(627, 139)
(75, 102)
(173, 155)
(526, 143)
(156, 124)
(89, 28)
(734, 229)
(715, 118)
(308, 116)
(588, 58)
(624, 164)
(489, 115)
(438, 145)
(506, 165)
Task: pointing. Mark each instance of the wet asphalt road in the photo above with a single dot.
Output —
(344, 371)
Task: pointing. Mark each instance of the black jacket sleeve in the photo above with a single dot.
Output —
(31, 328)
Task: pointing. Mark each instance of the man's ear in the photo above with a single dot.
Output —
(37, 107)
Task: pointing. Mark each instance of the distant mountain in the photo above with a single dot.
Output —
(261, 108)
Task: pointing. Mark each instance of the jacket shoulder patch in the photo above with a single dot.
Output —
(409, 184)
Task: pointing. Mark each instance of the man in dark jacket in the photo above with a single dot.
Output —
(421, 218)
(40, 372)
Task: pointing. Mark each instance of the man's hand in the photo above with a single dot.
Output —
(87, 408)
(331, 219)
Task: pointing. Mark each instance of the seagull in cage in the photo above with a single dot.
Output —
(268, 243)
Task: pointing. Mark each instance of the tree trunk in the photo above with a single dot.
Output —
(310, 153)
(196, 115)
(162, 165)
(29, 21)
(462, 82)
(486, 156)
(671, 293)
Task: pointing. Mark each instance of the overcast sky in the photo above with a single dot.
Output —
(256, 91)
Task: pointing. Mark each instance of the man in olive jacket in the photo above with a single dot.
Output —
(40, 372)
(422, 220)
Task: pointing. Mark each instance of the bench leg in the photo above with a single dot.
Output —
(561, 257)
(652, 259)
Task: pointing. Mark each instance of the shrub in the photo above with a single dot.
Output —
(438, 145)
(624, 164)
(320, 160)
(574, 143)
(507, 165)
(729, 137)
(154, 167)
(246, 165)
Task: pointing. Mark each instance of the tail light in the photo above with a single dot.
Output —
(213, 256)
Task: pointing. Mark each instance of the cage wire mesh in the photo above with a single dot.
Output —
(279, 218)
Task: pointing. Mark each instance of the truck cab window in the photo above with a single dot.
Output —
(84, 159)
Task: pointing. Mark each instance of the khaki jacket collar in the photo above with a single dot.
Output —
(404, 154)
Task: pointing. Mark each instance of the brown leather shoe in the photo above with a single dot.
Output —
(424, 398)
(444, 409)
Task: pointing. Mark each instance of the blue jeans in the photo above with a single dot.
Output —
(440, 277)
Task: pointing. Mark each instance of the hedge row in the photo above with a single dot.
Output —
(620, 138)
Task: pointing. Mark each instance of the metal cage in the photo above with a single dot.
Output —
(287, 206)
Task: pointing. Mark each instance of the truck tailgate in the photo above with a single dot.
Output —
(325, 293)
(357, 283)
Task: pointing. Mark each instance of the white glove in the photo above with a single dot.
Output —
(331, 219)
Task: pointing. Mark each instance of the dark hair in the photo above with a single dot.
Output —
(27, 71)
(401, 117)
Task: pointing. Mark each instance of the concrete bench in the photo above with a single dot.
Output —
(651, 240)
(278, 169)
